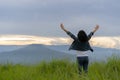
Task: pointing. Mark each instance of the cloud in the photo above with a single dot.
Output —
(42, 17)
(103, 41)
(26, 40)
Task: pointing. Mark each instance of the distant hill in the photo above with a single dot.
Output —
(7, 48)
(99, 54)
(32, 54)
(36, 53)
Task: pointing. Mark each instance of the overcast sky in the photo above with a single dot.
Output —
(42, 17)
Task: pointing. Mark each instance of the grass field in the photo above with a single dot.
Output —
(61, 70)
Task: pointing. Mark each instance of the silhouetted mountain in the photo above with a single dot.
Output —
(7, 48)
(99, 54)
(34, 53)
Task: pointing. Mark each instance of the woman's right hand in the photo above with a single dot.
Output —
(96, 28)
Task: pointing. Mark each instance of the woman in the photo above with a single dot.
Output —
(82, 46)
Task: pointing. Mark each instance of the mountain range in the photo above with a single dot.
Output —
(36, 53)
(32, 54)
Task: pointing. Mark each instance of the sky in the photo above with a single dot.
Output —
(43, 17)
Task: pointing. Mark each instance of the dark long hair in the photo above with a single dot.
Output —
(82, 36)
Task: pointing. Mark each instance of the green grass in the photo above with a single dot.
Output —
(61, 70)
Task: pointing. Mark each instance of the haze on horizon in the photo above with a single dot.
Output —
(42, 17)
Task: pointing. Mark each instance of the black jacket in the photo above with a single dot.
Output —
(80, 46)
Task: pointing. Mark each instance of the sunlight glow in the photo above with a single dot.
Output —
(106, 42)
(25, 40)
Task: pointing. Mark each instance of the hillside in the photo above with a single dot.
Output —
(33, 54)
(36, 53)
(99, 54)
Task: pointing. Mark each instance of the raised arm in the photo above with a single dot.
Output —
(96, 28)
(62, 27)
(68, 32)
